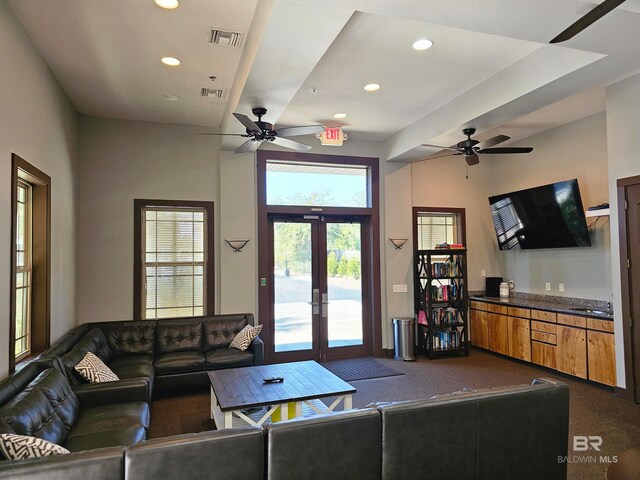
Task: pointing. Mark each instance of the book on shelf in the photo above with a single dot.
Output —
(449, 246)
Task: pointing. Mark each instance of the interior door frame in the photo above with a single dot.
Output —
(629, 391)
(372, 211)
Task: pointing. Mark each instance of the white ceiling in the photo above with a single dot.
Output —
(491, 66)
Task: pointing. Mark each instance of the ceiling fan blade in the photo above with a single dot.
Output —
(247, 122)
(506, 150)
(493, 141)
(295, 131)
(587, 19)
(248, 146)
(221, 134)
(284, 142)
(472, 159)
(439, 146)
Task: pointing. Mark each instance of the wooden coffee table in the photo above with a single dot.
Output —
(237, 389)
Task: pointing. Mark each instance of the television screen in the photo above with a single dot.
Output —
(549, 216)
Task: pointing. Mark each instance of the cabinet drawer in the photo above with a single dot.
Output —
(542, 315)
(602, 325)
(501, 309)
(543, 327)
(543, 337)
(572, 320)
(477, 305)
(519, 312)
(543, 354)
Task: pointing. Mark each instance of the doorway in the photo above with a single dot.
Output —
(629, 220)
(318, 288)
(319, 260)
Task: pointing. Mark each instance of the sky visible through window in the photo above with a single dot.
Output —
(318, 189)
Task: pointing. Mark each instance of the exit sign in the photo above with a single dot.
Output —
(332, 136)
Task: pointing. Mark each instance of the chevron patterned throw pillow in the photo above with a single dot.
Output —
(244, 337)
(94, 370)
(19, 447)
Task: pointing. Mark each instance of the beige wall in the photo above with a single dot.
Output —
(38, 123)
(623, 143)
(576, 150)
(119, 162)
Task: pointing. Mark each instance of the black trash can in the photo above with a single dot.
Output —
(404, 339)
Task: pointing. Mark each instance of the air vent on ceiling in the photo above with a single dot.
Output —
(224, 37)
(219, 93)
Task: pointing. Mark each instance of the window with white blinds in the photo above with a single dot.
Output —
(23, 271)
(436, 227)
(174, 255)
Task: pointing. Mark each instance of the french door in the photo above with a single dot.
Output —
(320, 303)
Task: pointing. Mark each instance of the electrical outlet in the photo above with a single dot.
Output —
(561, 287)
(547, 286)
(399, 289)
(483, 273)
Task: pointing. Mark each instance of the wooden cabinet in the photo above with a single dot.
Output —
(601, 355)
(479, 329)
(519, 334)
(498, 331)
(571, 351)
(543, 354)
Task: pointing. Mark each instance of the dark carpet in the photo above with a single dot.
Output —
(364, 368)
(593, 410)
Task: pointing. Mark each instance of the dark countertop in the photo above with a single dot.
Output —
(551, 306)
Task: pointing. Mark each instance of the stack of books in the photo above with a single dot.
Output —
(449, 246)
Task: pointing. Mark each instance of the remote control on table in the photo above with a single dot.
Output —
(273, 380)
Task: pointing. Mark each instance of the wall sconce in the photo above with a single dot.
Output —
(237, 245)
(398, 242)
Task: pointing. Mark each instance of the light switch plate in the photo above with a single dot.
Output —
(561, 287)
(399, 289)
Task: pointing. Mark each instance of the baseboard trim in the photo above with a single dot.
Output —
(388, 352)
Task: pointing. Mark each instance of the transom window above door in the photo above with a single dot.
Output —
(317, 184)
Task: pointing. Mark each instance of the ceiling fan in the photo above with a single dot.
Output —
(470, 148)
(583, 22)
(260, 131)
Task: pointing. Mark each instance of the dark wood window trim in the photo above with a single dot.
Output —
(629, 391)
(138, 205)
(458, 211)
(373, 211)
(41, 276)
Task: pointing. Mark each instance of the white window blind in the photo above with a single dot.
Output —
(435, 228)
(174, 262)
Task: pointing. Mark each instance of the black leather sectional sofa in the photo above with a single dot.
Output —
(167, 355)
(504, 433)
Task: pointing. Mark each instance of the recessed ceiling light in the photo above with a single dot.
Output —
(422, 44)
(339, 115)
(171, 61)
(168, 4)
(372, 87)
(169, 97)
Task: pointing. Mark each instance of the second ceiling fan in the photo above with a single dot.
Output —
(470, 147)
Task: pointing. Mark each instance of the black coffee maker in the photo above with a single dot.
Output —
(492, 286)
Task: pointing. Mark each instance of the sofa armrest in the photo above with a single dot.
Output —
(99, 464)
(125, 390)
(258, 351)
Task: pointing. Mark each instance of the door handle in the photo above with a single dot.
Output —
(325, 308)
(315, 301)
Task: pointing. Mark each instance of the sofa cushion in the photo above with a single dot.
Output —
(178, 336)
(133, 366)
(228, 358)
(220, 330)
(20, 447)
(179, 362)
(116, 416)
(47, 408)
(94, 370)
(244, 337)
(112, 438)
(93, 341)
(130, 338)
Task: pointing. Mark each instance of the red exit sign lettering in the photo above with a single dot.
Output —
(332, 136)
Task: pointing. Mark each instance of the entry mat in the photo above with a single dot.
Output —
(359, 369)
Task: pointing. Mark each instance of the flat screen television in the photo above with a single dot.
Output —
(549, 216)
